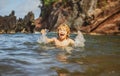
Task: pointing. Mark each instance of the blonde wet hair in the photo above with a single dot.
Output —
(64, 26)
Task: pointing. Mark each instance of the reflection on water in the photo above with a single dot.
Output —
(21, 55)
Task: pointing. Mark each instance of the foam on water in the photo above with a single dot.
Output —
(79, 40)
(42, 39)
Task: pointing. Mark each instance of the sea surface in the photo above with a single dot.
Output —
(22, 55)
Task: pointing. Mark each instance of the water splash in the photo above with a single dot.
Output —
(42, 39)
(79, 40)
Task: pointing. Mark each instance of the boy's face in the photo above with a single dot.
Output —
(62, 33)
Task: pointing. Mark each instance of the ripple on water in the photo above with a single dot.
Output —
(21, 55)
(9, 67)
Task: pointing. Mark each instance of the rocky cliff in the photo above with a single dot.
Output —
(89, 16)
(9, 24)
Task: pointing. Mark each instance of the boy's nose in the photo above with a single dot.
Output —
(62, 31)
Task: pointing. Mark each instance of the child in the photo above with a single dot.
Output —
(63, 39)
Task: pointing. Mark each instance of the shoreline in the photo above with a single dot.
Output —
(36, 32)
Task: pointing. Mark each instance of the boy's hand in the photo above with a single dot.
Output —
(43, 31)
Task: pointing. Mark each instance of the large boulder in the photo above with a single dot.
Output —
(106, 20)
(71, 12)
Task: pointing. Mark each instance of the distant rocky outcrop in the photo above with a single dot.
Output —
(89, 16)
(10, 24)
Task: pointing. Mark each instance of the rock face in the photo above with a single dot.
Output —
(29, 22)
(106, 20)
(89, 16)
(9, 24)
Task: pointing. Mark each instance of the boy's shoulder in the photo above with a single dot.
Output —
(70, 39)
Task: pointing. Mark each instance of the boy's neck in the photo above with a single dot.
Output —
(61, 39)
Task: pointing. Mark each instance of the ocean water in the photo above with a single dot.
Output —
(22, 55)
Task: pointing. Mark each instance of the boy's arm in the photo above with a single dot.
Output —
(43, 31)
(48, 40)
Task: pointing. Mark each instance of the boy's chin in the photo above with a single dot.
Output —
(62, 38)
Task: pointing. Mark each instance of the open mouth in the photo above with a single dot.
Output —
(62, 34)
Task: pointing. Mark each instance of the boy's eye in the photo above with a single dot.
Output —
(62, 30)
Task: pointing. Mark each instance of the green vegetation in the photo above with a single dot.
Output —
(48, 2)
